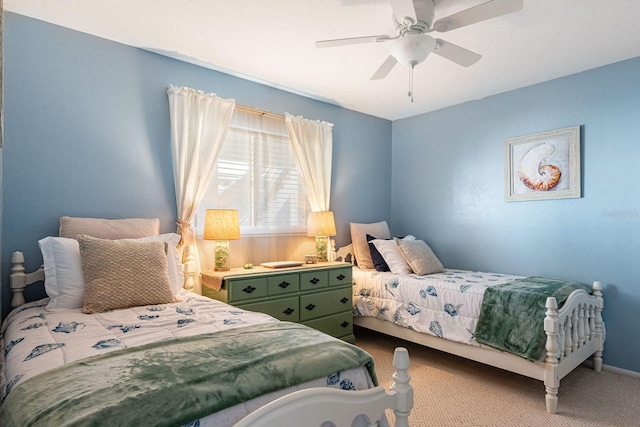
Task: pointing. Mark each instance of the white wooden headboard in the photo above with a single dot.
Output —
(20, 280)
(345, 254)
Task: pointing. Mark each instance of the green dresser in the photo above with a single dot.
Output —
(317, 295)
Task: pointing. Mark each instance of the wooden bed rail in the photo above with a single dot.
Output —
(314, 406)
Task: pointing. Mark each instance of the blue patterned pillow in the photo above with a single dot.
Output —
(378, 261)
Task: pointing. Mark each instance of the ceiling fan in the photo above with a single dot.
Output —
(413, 20)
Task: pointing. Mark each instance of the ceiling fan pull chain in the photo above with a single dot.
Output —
(410, 94)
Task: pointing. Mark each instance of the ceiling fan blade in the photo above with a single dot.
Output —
(482, 12)
(455, 53)
(352, 40)
(403, 9)
(385, 68)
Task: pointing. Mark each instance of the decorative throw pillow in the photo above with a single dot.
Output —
(359, 239)
(378, 261)
(63, 279)
(420, 257)
(125, 228)
(174, 263)
(123, 273)
(392, 256)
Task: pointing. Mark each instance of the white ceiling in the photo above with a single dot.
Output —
(272, 42)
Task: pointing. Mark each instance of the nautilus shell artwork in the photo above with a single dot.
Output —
(534, 173)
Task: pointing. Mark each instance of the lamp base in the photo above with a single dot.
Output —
(322, 243)
(222, 256)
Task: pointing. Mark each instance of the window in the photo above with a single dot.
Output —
(256, 174)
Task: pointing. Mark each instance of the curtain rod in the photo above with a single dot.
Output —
(259, 112)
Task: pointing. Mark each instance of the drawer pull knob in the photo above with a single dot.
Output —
(341, 277)
(310, 307)
(289, 311)
(314, 281)
(344, 324)
(249, 289)
(344, 300)
(284, 285)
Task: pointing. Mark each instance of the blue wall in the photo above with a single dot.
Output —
(448, 188)
(87, 134)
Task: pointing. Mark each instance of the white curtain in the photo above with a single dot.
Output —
(199, 125)
(312, 143)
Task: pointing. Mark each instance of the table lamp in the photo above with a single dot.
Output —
(321, 225)
(222, 225)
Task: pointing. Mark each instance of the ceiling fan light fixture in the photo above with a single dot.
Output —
(412, 49)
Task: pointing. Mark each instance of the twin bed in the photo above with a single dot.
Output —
(401, 289)
(118, 341)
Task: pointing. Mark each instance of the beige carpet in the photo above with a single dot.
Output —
(453, 391)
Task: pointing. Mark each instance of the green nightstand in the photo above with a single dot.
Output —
(316, 295)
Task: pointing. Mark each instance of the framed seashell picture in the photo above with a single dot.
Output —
(543, 166)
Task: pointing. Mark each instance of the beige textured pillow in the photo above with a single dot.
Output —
(125, 228)
(419, 256)
(122, 274)
(379, 230)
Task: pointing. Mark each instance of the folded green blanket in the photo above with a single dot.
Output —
(174, 382)
(512, 314)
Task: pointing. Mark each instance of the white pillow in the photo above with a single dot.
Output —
(392, 256)
(379, 230)
(63, 278)
(174, 264)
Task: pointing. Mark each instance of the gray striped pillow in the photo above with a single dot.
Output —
(419, 256)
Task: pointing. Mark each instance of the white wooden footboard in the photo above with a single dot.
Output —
(574, 333)
(315, 406)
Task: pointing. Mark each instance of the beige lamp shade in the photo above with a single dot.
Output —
(321, 224)
(221, 224)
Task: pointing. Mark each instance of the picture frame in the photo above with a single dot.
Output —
(543, 166)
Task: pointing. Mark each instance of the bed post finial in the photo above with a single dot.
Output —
(18, 279)
(401, 386)
(551, 381)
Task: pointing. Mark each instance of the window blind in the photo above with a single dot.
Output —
(257, 175)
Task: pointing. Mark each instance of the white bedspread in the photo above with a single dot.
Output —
(35, 340)
(446, 305)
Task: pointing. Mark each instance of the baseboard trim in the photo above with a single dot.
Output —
(615, 370)
(620, 371)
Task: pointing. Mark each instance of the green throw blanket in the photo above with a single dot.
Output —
(173, 382)
(512, 314)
